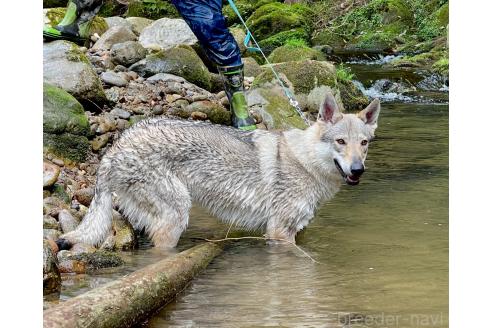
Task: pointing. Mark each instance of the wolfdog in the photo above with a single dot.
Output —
(254, 179)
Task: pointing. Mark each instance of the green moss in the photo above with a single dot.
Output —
(62, 112)
(304, 75)
(293, 53)
(66, 145)
(281, 38)
(54, 3)
(245, 7)
(273, 18)
(112, 8)
(98, 259)
(352, 98)
(441, 66)
(153, 9)
(59, 191)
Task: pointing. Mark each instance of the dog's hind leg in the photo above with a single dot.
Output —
(160, 206)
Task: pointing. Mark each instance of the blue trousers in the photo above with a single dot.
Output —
(208, 24)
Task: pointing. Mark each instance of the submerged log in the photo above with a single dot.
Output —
(133, 298)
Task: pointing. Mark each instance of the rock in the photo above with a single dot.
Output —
(66, 67)
(50, 174)
(198, 116)
(304, 75)
(67, 145)
(51, 274)
(124, 235)
(113, 78)
(151, 9)
(239, 35)
(121, 113)
(166, 78)
(276, 17)
(251, 67)
(114, 35)
(108, 244)
(326, 49)
(317, 97)
(51, 234)
(50, 222)
(53, 16)
(67, 221)
(117, 21)
(273, 107)
(138, 24)
(80, 248)
(94, 261)
(215, 112)
(352, 97)
(181, 61)
(84, 196)
(157, 110)
(127, 53)
(52, 206)
(167, 33)
(294, 53)
(100, 141)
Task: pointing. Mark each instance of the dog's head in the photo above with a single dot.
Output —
(344, 139)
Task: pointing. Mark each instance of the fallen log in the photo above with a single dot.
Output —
(135, 297)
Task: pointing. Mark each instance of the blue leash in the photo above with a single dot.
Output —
(249, 37)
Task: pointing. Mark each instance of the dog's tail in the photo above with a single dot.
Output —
(96, 224)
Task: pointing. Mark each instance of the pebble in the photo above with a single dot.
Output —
(50, 174)
(198, 116)
(113, 78)
(198, 97)
(224, 101)
(122, 124)
(100, 141)
(80, 248)
(221, 94)
(181, 103)
(51, 234)
(157, 110)
(120, 68)
(58, 161)
(120, 113)
(84, 196)
(50, 222)
(67, 221)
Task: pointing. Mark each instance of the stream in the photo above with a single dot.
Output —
(382, 245)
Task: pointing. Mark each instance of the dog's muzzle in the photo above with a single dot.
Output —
(349, 179)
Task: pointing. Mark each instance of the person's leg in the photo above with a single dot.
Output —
(75, 25)
(208, 24)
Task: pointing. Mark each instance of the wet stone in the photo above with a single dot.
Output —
(67, 221)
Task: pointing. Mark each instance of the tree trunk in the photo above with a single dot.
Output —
(135, 297)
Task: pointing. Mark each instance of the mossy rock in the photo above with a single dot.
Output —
(181, 61)
(98, 260)
(353, 99)
(66, 145)
(53, 16)
(112, 8)
(62, 112)
(271, 43)
(441, 66)
(328, 37)
(251, 67)
(294, 53)
(271, 104)
(273, 18)
(215, 112)
(51, 274)
(305, 75)
(153, 9)
(245, 7)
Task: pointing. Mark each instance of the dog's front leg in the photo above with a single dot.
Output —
(277, 232)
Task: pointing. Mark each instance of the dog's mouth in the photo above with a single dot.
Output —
(349, 179)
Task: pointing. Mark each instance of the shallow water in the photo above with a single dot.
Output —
(382, 247)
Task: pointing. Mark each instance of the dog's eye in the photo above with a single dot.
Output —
(363, 142)
(340, 141)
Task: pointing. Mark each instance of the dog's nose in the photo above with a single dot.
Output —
(357, 169)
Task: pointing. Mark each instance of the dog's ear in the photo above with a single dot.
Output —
(370, 114)
(328, 111)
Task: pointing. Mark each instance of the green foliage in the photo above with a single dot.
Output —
(431, 18)
(296, 42)
(344, 73)
(295, 50)
(281, 38)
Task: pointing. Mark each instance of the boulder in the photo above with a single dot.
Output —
(167, 33)
(275, 17)
(118, 21)
(114, 35)
(181, 61)
(270, 103)
(53, 16)
(69, 262)
(166, 78)
(51, 274)
(216, 113)
(113, 78)
(50, 174)
(304, 75)
(137, 24)
(68, 68)
(151, 9)
(65, 126)
(251, 67)
(294, 53)
(127, 53)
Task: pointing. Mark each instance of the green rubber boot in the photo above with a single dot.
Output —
(233, 78)
(76, 23)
